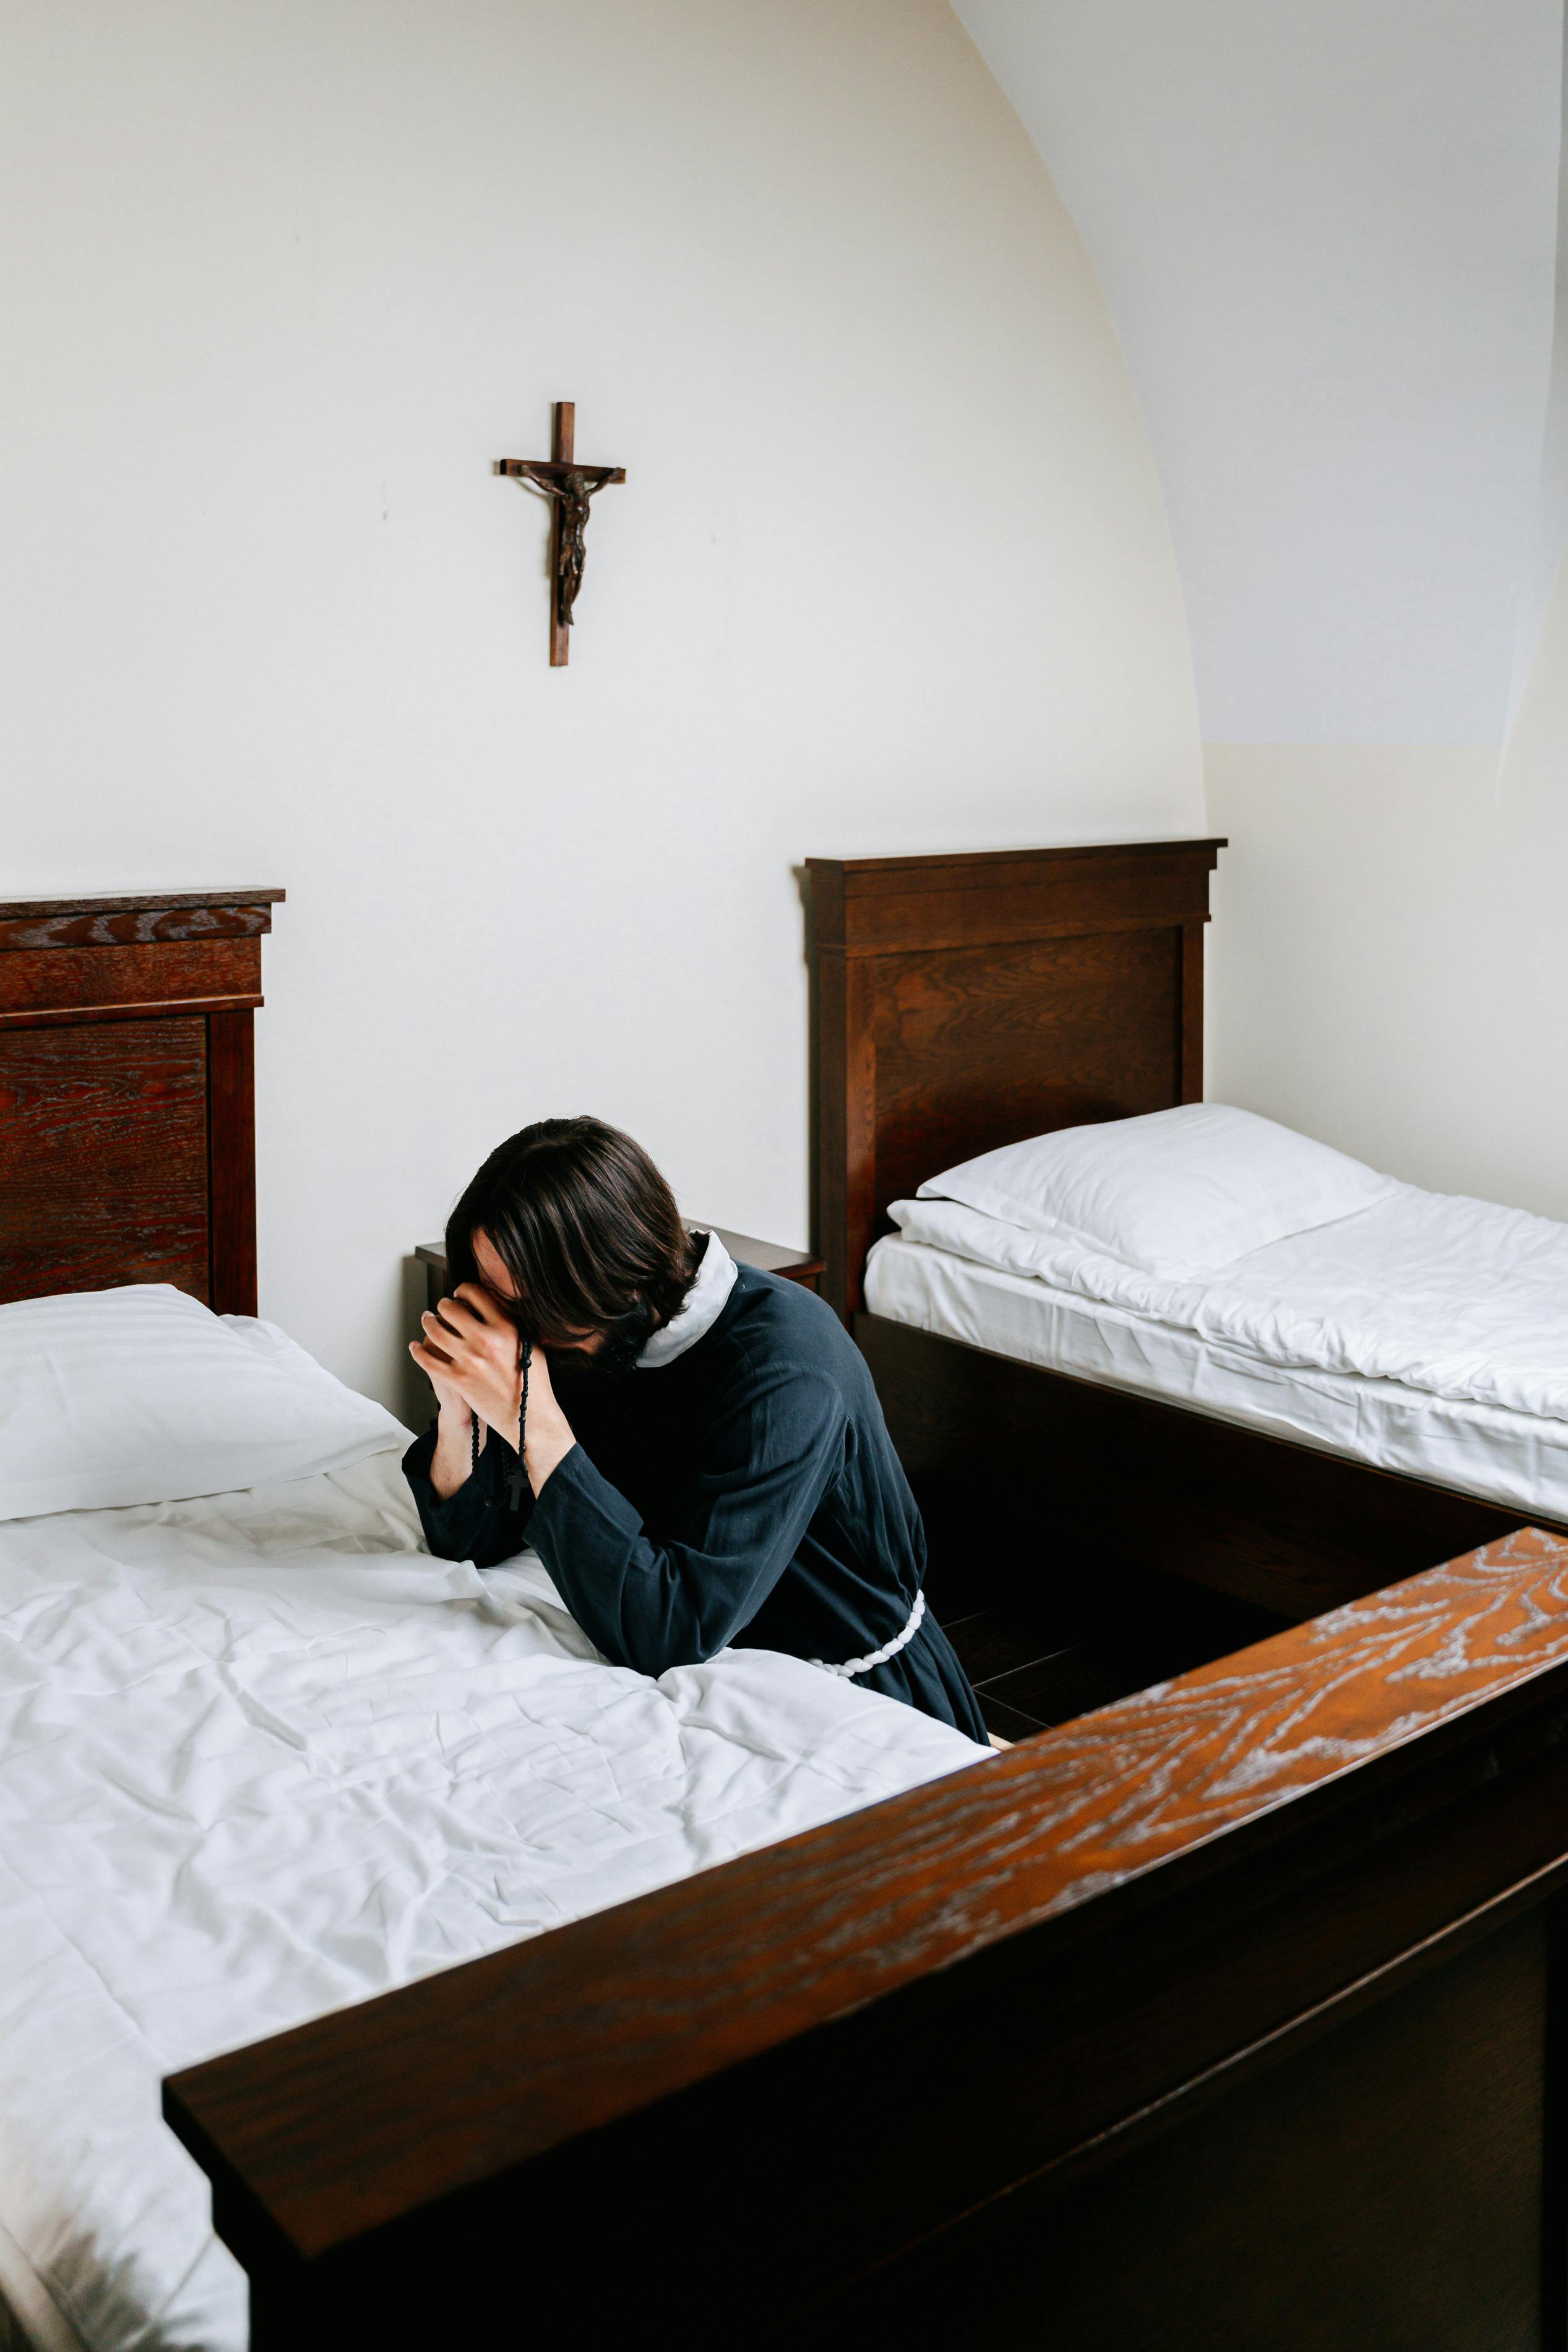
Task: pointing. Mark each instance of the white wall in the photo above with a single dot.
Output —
(1331, 240)
(1326, 232)
(890, 571)
(1389, 963)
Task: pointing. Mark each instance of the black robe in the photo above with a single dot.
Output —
(746, 1493)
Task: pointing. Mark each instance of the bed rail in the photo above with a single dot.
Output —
(979, 2049)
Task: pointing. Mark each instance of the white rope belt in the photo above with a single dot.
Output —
(879, 1657)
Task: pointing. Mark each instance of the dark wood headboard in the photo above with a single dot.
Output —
(964, 1002)
(127, 1097)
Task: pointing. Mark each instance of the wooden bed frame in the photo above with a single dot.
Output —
(1231, 2016)
(966, 1001)
(127, 1093)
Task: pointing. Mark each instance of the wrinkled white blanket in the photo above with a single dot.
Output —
(1460, 1299)
(260, 1757)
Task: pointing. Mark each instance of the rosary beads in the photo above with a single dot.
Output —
(514, 1483)
(525, 1354)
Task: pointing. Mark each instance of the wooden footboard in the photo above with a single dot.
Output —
(1229, 2016)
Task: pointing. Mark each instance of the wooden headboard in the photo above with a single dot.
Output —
(966, 1001)
(127, 1098)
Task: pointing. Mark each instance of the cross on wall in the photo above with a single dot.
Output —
(569, 488)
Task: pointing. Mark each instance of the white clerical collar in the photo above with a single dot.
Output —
(700, 1310)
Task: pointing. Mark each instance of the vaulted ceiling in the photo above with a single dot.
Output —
(1327, 231)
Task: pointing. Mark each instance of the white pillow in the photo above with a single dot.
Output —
(1178, 1193)
(143, 1395)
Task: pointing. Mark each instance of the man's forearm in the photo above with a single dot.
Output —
(453, 1460)
(545, 1448)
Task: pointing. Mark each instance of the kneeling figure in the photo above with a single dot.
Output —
(694, 1448)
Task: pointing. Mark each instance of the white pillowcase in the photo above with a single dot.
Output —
(143, 1395)
(1178, 1193)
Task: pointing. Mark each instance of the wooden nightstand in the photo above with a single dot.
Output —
(772, 1257)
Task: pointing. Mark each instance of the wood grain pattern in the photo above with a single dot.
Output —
(127, 1123)
(86, 980)
(963, 1003)
(878, 906)
(231, 1159)
(35, 911)
(976, 1048)
(100, 1016)
(924, 869)
(103, 1157)
(118, 925)
(1144, 1778)
(1402, 1700)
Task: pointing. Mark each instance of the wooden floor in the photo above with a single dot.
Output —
(1033, 1667)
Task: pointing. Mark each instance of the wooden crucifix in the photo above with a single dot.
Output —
(569, 487)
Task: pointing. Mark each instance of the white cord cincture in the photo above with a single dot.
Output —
(878, 1658)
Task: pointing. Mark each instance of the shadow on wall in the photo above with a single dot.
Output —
(1388, 964)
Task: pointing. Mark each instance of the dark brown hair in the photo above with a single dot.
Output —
(585, 1226)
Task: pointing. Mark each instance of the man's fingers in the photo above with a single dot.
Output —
(459, 1325)
(457, 1314)
(481, 1304)
(444, 1340)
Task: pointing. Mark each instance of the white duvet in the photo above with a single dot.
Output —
(259, 1758)
(1459, 1298)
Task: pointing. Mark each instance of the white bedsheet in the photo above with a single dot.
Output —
(1307, 1340)
(259, 1758)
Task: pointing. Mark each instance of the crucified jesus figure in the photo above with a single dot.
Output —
(573, 487)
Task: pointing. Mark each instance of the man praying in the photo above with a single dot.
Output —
(702, 1461)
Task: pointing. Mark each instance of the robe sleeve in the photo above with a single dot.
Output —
(772, 1454)
(478, 1522)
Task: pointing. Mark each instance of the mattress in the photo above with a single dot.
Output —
(260, 1757)
(1505, 1453)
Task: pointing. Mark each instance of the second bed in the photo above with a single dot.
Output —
(1426, 1335)
(1261, 1366)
